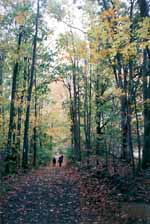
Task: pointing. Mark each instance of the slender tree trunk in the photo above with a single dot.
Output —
(71, 116)
(78, 116)
(130, 145)
(138, 134)
(12, 124)
(146, 97)
(1, 101)
(29, 97)
(35, 129)
(122, 83)
(98, 115)
(90, 112)
(86, 110)
(75, 113)
(144, 11)
(129, 113)
(20, 112)
(13, 97)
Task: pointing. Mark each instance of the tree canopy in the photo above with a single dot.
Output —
(74, 76)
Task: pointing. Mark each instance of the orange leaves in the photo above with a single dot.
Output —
(82, 49)
(54, 115)
(20, 18)
(110, 13)
(111, 34)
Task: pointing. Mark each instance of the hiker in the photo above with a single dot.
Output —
(60, 160)
(54, 161)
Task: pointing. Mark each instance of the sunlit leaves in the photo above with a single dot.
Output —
(111, 34)
(144, 30)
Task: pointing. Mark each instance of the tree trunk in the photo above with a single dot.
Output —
(129, 113)
(146, 97)
(144, 11)
(12, 124)
(138, 134)
(121, 82)
(20, 112)
(78, 116)
(86, 111)
(29, 97)
(99, 92)
(98, 115)
(1, 100)
(89, 112)
(35, 129)
(71, 116)
(75, 115)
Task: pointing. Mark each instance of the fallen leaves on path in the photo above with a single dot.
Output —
(68, 195)
(44, 196)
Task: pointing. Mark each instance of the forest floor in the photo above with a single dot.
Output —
(70, 195)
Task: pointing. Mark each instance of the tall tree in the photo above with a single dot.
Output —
(35, 126)
(1, 94)
(29, 97)
(144, 12)
(12, 124)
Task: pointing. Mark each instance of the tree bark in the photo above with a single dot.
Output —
(35, 129)
(20, 112)
(29, 97)
(146, 98)
(75, 115)
(11, 151)
(138, 134)
(1, 96)
(78, 114)
(144, 12)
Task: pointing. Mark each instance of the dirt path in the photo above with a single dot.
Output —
(47, 196)
(69, 196)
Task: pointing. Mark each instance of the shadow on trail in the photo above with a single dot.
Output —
(47, 196)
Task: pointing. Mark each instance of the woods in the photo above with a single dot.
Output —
(75, 85)
(104, 65)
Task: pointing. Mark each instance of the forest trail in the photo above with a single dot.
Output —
(66, 195)
(46, 196)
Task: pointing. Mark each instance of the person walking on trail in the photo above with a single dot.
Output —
(60, 160)
(54, 161)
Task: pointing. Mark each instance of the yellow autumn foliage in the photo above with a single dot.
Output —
(1, 17)
(144, 30)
